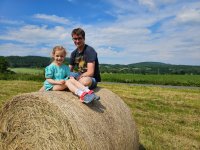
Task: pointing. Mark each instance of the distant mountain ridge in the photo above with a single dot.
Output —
(135, 68)
(149, 63)
(150, 68)
(29, 61)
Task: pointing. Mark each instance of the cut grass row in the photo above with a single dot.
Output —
(167, 118)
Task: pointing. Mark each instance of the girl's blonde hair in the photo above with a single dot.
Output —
(59, 48)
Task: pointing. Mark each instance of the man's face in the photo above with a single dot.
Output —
(79, 41)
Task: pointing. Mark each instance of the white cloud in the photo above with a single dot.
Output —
(189, 15)
(34, 40)
(33, 34)
(149, 3)
(11, 22)
(10, 49)
(52, 18)
(122, 6)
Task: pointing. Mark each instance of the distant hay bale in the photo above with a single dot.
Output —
(57, 120)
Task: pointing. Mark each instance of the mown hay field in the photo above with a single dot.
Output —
(167, 118)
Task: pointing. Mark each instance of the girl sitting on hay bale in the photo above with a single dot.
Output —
(58, 77)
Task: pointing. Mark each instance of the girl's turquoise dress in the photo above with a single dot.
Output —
(56, 73)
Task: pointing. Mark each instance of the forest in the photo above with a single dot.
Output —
(134, 68)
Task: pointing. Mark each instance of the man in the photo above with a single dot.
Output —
(84, 65)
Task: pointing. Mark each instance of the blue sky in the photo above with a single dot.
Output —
(121, 31)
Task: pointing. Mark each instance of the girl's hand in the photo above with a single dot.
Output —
(61, 82)
(71, 77)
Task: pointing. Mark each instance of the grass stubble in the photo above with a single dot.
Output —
(166, 118)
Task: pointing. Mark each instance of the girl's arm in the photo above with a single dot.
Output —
(56, 82)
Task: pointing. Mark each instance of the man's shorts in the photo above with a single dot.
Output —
(76, 76)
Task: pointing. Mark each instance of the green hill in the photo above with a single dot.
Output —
(28, 61)
(150, 68)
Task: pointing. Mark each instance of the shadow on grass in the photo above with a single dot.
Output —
(141, 147)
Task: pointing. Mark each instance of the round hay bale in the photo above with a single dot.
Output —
(57, 120)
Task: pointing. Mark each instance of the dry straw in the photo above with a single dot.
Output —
(59, 121)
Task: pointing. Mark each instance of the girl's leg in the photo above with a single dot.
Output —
(59, 87)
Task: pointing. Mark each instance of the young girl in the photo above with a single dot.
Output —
(58, 77)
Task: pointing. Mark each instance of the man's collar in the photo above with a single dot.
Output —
(82, 49)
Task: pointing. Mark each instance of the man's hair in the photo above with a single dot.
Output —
(78, 31)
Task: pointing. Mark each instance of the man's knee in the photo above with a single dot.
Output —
(87, 81)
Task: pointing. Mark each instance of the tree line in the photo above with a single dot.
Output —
(135, 68)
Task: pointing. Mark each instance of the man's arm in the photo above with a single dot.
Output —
(90, 70)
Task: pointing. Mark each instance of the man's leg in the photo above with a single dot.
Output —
(86, 81)
(94, 84)
(84, 96)
(75, 75)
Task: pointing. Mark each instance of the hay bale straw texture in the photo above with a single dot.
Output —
(57, 120)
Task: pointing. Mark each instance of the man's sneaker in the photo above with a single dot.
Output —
(96, 98)
(87, 98)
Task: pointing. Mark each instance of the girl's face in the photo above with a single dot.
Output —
(59, 57)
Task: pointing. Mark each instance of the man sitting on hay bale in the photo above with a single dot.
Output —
(84, 59)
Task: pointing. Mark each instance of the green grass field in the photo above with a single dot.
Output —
(177, 80)
(167, 118)
(35, 74)
(28, 70)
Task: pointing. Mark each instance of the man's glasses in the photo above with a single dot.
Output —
(79, 38)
